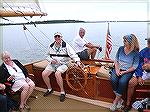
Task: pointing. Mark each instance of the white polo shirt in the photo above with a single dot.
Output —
(79, 44)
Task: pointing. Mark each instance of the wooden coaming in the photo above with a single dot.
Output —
(97, 88)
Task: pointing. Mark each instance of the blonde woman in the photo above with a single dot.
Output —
(142, 73)
(127, 59)
(14, 72)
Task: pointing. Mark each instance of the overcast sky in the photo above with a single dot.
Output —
(95, 11)
(88, 10)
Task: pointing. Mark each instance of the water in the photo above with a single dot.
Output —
(31, 45)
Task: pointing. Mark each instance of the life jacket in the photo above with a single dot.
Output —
(63, 44)
(59, 55)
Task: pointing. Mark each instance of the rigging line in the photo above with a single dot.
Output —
(35, 4)
(38, 5)
(35, 38)
(26, 38)
(5, 19)
(10, 7)
(4, 8)
(24, 28)
(22, 14)
(42, 32)
(33, 12)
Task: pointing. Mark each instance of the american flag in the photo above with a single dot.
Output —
(108, 44)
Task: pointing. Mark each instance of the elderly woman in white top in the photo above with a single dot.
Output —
(16, 74)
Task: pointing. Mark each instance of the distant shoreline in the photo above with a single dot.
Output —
(24, 44)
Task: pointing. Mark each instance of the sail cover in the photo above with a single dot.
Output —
(14, 8)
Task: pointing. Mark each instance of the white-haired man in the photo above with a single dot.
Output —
(83, 47)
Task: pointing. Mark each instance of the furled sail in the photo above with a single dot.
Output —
(15, 8)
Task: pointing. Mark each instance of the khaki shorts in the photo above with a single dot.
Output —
(55, 67)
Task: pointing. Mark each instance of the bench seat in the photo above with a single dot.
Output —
(38, 68)
(100, 83)
(103, 73)
(140, 91)
(41, 64)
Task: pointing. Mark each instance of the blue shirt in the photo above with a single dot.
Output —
(144, 56)
(127, 61)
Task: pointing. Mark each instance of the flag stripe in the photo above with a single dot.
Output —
(108, 44)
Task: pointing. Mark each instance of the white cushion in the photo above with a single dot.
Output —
(102, 72)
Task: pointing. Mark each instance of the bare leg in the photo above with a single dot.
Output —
(59, 80)
(24, 94)
(116, 99)
(30, 90)
(115, 102)
(92, 52)
(45, 76)
(132, 83)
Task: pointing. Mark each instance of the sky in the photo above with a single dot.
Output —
(88, 10)
(95, 11)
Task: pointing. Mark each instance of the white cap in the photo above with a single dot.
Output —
(57, 33)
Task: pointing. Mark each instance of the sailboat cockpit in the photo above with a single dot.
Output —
(28, 26)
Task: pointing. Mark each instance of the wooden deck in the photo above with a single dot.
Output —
(51, 103)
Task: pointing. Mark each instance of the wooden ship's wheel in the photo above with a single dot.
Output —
(76, 78)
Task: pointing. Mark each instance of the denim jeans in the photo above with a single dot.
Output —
(120, 83)
(3, 103)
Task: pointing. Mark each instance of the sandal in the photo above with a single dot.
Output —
(27, 107)
(21, 110)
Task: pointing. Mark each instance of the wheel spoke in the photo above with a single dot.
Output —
(76, 78)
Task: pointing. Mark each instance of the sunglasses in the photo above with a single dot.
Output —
(57, 36)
